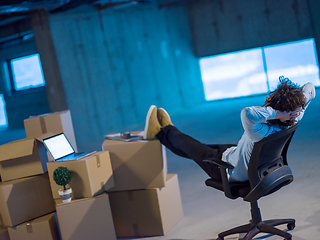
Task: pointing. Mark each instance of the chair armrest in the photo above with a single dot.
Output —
(224, 177)
(226, 184)
(220, 163)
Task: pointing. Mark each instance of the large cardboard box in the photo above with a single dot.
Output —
(22, 158)
(52, 122)
(149, 212)
(90, 176)
(42, 228)
(4, 235)
(86, 218)
(137, 164)
(25, 199)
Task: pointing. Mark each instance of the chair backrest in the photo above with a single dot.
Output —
(268, 169)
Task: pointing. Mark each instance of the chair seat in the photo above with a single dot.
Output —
(238, 189)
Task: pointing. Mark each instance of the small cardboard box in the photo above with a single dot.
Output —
(137, 164)
(90, 176)
(44, 227)
(25, 199)
(52, 122)
(86, 218)
(4, 235)
(22, 158)
(150, 212)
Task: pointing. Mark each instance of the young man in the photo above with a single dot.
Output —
(284, 107)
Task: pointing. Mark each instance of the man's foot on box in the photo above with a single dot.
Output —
(152, 126)
(163, 117)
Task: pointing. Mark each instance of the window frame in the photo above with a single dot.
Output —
(11, 81)
(266, 70)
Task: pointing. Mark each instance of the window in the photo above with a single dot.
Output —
(26, 72)
(296, 60)
(257, 70)
(3, 114)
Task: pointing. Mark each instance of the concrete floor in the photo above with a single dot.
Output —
(207, 211)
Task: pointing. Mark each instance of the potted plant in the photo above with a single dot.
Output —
(62, 177)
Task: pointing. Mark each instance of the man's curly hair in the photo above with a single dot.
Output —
(288, 96)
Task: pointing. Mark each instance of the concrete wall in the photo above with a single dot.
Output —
(21, 105)
(115, 63)
(109, 66)
(225, 26)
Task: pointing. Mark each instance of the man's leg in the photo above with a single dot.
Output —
(188, 147)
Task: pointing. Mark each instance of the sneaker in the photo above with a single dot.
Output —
(152, 126)
(163, 117)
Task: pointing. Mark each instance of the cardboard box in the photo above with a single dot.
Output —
(137, 164)
(4, 235)
(86, 218)
(22, 158)
(150, 212)
(44, 228)
(52, 122)
(25, 199)
(91, 175)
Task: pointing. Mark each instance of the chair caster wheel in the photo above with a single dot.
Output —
(291, 226)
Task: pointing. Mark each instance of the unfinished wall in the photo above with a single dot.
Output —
(115, 63)
(224, 26)
(23, 104)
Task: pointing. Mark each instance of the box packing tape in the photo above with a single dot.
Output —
(136, 229)
(29, 228)
(98, 160)
(130, 195)
(43, 125)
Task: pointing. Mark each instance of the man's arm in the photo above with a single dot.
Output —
(309, 92)
(254, 121)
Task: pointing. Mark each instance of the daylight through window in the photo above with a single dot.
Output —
(26, 72)
(3, 114)
(257, 70)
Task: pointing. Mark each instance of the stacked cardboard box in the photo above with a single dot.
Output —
(145, 200)
(86, 218)
(25, 192)
(51, 123)
(89, 212)
(122, 191)
(44, 227)
(29, 208)
(4, 235)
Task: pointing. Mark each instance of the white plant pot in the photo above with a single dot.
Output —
(65, 194)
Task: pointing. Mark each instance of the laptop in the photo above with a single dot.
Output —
(61, 149)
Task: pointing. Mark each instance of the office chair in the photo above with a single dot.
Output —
(268, 171)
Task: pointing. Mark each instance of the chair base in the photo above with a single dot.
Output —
(262, 227)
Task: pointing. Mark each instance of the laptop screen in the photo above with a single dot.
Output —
(58, 146)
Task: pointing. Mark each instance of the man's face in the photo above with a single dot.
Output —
(291, 116)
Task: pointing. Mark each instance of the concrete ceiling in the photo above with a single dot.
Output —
(14, 14)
